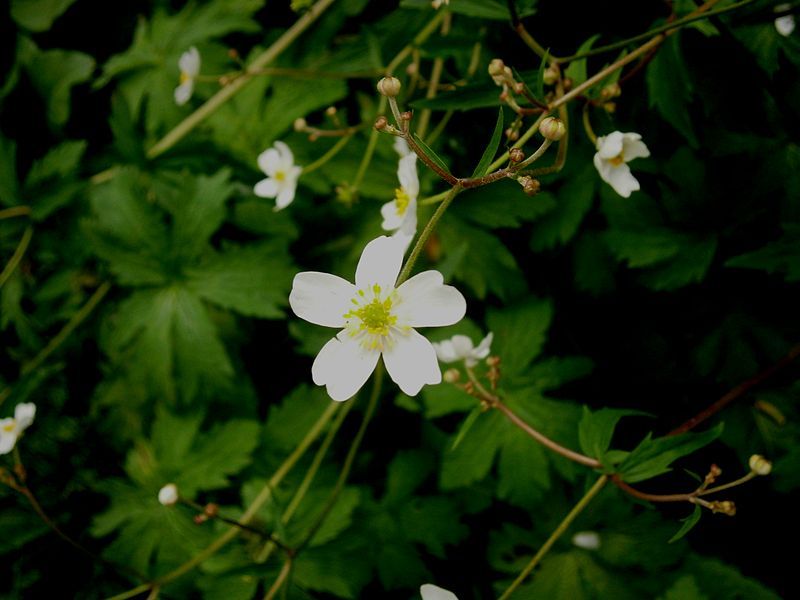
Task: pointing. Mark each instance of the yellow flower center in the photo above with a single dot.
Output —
(371, 318)
(185, 77)
(10, 426)
(401, 200)
(280, 175)
(617, 160)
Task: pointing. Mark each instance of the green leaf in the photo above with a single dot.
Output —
(60, 162)
(596, 429)
(38, 15)
(670, 89)
(426, 150)
(482, 9)
(652, 457)
(577, 68)
(491, 149)
(502, 204)
(573, 201)
(688, 523)
(720, 580)
(467, 97)
(520, 331)
(9, 186)
(781, 256)
(466, 425)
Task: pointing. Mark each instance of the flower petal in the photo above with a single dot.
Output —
(269, 161)
(24, 414)
(411, 362)
(287, 158)
(343, 366)
(183, 92)
(445, 351)
(401, 147)
(483, 349)
(266, 188)
(189, 62)
(603, 167)
(609, 146)
(7, 438)
(391, 220)
(285, 194)
(380, 263)
(633, 147)
(426, 302)
(321, 298)
(623, 182)
(407, 175)
(433, 592)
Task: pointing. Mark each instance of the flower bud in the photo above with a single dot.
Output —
(389, 86)
(726, 507)
(567, 83)
(588, 540)
(451, 376)
(610, 107)
(516, 155)
(168, 495)
(760, 465)
(493, 361)
(300, 124)
(406, 116)
(550, 75)
(211, 509)
(512, 134)
(331, 111)
(381, 123)
(530, 185)
(552, 129)
(612, 90)
(496, 67)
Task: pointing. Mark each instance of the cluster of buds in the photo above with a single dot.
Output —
(493, 374)
(530, 185)
(726, 507)
(210, 511)
(503, 77)
(607, 94)
(713, 473)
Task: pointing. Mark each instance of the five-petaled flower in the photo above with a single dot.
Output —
(11, 428)
(377, 319)
(282, 174)
(189, 64)
(614, 151)
(429, 591)
(460, 347)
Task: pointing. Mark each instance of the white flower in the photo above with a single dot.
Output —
(436, 4)
(168, 495)
(401, 146)
(401, 213)
(189, 64)
(434, 592)
(614, 151)
(588, 540)
(11, 428)
(785, 24)
(376, 319)
(282, 174)
(459, 347)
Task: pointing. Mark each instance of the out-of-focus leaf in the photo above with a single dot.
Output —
(38, 15)
(670, 89)
(688, 524)
(488, 154)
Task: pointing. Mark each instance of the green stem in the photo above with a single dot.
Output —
(285, 570)
(332, 151)
(17, 256)
(15, 211)
(261, 498)
(426, 233)
(377, 382)
(559, 531)
(227, 92)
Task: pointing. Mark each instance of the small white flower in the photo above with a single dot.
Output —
(189, 64)
(168, 495)
(436, 4)
(401, 146)
(614, 151)
(459, 347)
(11, 428)
(785, 24)
(434, 592)
(402, 211)
(588, 540)
(282, 174)
(377, 319)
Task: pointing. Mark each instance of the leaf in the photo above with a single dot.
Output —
(467, 97)
(688, 524)
(781, 256)
(596, 429)
(9, 186)
(491, 149)
(540, 75)
(520, 331)
(466, 425)
(653, 457)
(431, 154)
(670, 89)
(288, 422)
(577, 68)
(502, 204)
(720, 580)
(482, 9)
(60, 161)
(38, 15)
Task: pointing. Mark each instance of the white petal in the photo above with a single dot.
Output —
(409, 225)
(380, 263)
(623, 181)
(609, 146)
(269, 161)
(391, 220)
(189, 62)
(424, 301)
(403, 238)
(603, 167)
(411, 362)
(7, 438)
(183, 92)
(785, 25)
(24, 414)
(446, 352)
(588, 540)
(483, 349)
(287, 158)
(401, 147)
(293, 173)
(633, 147)
(266, 188)
(286, 194)
(407, 175)
(433, 592)
(462, 345)
(343, 366)
(321, 298)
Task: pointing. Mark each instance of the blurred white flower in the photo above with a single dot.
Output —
(11, 428)
(168, 495)
(588, 540)
(377, 320)
(282, 175)
(434, 592)
(189, 64)
(459, 347)
(614, 151)
(436, 4)
(785, 24)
